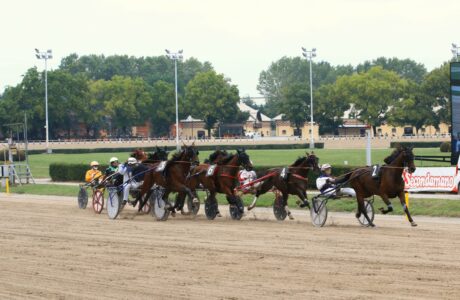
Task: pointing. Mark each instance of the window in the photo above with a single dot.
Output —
(283, 131)
(393, 130)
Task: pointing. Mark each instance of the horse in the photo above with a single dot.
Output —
(223, 180)
(389, 185)
(214, 158)
(294, 181)
(158, 155)
(173, 177)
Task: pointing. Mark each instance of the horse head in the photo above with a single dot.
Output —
(312, 161)
(406, 157)
(190, 153)
(243, 159)
(139, 154)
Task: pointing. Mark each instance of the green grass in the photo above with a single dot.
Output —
(427, 207)
(355, 157)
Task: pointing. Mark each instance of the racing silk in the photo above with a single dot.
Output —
(92, 174)
(110, 170)
(322, 184)
(126, 171)
(139, 172)
(245, 176)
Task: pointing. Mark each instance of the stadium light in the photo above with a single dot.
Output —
(176, 56)
(455, 51)
(309, 54)
(45, 55)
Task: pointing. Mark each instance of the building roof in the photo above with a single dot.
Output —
(190, 119)
(252, 112)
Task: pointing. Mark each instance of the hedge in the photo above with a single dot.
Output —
(445, 147)
(202, 148)
(76, 172)
(416, 144)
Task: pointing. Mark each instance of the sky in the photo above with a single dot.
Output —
(239, 37)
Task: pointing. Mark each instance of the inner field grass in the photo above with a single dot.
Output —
(354, 157)
(427, 207)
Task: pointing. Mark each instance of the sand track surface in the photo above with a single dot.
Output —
(50, 249)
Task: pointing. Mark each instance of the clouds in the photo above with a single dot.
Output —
(240, 38)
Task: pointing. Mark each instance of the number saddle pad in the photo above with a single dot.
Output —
(161, 166)
(376, 170)
(211, 170)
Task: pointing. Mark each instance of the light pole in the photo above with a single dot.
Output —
(176, 56)
(309, 54)
(45, 55)
(455, 51)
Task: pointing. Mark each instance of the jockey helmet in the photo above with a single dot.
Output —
(132, 161)
(94, 163)
(113, 159)
(325, 167)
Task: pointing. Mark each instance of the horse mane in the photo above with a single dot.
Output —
(389, 159)
(176, 156)
(299, 161)
(213, 156)
(226, 159)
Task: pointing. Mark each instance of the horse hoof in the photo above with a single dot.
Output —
(358, 215)
(173, 214)
(250, 207)
(413, 224)
(291, 217)
(371, 225)
(219, 215)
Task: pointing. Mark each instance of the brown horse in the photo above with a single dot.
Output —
(173, 177)
(158, 155)
(390, 183)
(223, 180)
(214, 158)
(294, 181)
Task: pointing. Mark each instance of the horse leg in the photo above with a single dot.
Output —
(362, 210)
(212, 196)
(303, 198)
(286, 206)
(145, 190)
(388, 203)
(406, 209)
(264, 187)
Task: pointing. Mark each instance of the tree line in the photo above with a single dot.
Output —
(385, 90)
(117, 92)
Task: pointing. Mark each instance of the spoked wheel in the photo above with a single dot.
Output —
(318, 212)
(237, 209)
(160, 210)
(98, 201)
(278, 208)
(114, 205)
(193, 207)
(210, 207)
(369, 207)
(82, 198)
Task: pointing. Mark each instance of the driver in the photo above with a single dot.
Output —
(133, 175)
(329, 185)
(94, 174)
(245, 176)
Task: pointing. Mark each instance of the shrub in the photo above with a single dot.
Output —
(416, 144)
(445, 147)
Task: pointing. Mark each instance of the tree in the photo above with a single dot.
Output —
(295, 104)
(436, 86)
(329, 108)
(372, 93)
(406, 68)
(287, 70)
(209, 96)
(163, 110)
(122, 102)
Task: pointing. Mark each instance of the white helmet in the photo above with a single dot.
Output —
(113, 159)
(325, 167)
(132, 161)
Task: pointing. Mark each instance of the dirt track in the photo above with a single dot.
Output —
(51, 249)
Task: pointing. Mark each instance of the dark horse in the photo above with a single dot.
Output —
(389, 185)
(294, 181)
(173, 177)
(214, 158)
(223, 180)
(158, 155)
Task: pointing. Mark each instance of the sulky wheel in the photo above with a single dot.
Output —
(193, 207)
(160, 209)
(98, 201)
(237, 209)
(210, 207)
(114, 205)
(82, 198)
(278, 208)
(368, 205)
(318, 212)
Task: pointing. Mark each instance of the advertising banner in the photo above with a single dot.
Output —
(432, 179)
